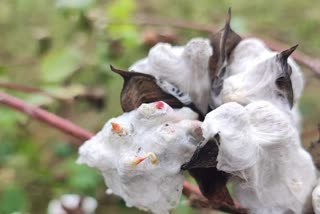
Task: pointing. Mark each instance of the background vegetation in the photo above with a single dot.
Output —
(65, 47)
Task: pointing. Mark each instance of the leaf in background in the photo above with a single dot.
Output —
(60, 64)
(9, 119)
(6, 149)
(5, 12)
(83, 178)
(3, 70)
(123, 11)
(63, 149)
(183, 207)
(66, 92)
(74, 4)
(38, 99)
(12, 199)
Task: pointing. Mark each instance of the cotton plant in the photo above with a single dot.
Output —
(140, 153)
(251, 135)
(260, 146)
(254, 73)
(72, 204)
(181, 70)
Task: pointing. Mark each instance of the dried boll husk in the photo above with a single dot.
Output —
(140, 153)
(260, 146)
(139, 88)
(223, 43)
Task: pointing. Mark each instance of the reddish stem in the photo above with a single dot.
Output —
(45, 116)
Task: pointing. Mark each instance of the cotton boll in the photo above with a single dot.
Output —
(72, 202)
(259, 144)
(181, 71)
(256, 73)
(140, 157)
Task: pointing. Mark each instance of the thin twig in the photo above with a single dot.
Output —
(70, 128)
(51, 119)
(310, 62)
(27, 89)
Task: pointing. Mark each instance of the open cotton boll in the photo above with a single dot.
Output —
(253, 55)
(256, 73)
(184, 69)
(140, 153)
(87, 205)
(261, 147)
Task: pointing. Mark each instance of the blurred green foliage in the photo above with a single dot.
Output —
(66, 46)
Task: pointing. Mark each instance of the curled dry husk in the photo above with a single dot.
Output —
(140, 153)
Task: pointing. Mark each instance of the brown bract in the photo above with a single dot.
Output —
(222, 42)
(141, 88)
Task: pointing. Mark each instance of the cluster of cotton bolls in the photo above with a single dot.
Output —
(259, 141)
(140, 153)
(254, 121)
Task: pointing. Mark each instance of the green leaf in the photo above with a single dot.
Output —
(3, 70)
(121, 10)
(83, 178)
(63, 149)
(39, 99)
(13, 199)
(9, 119)
(60, 64)
(183, 207)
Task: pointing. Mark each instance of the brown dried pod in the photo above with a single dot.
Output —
(284, 82)
(222, 42)
(141, 88)
(211, 181)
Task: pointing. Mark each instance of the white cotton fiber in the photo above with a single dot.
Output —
(140, 153)
(186, 69)
(251, 76)
(316, 198)
(261, 147)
